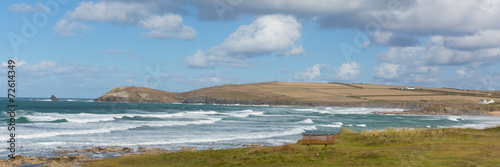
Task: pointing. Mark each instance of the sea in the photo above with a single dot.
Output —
(44, 126)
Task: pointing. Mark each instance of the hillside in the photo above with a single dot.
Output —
(432, 100)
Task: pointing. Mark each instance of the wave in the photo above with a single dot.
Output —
(117, 127)
(455, 118)
(341, 110)
(243, 113)
(33, 119)
(74, 132)
(202, 112)
(306, 121)
(88, 118)
(181, 123)
(334, 125)
(206, 139)
(361, 125)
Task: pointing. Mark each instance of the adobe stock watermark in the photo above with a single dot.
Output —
(361, 39)
(223, 6)
(30, 27)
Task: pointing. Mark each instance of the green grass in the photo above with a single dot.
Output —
(390, 147)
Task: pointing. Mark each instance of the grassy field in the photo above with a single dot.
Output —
(390, 147)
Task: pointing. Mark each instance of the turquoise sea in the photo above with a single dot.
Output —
(72, 124)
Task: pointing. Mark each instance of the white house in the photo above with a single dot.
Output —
(486, 101)
(410, 88)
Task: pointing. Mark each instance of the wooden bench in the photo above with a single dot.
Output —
(317, 139)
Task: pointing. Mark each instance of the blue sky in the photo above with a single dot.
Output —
(86, 48)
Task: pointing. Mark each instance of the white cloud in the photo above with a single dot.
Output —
(421, 18)
(348, 71)
(65, 27)
(167, 26)
(143, 14)
(311, 8)
(310, 74)
(435, 53)
(413, 17)
(46, 68)
(268, 34)
(464, 72)
(43, 78)
(386, 71)
(399, 21)
(385, 38)
(23, 7)
(121, 12)
(407, 74)
(480, 40)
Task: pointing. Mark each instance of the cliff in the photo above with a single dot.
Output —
(138, 94)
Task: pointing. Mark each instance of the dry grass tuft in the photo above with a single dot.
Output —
(403, 135)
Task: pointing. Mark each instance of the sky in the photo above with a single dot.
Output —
(82, 49)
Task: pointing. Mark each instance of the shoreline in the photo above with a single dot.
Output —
(410, 109)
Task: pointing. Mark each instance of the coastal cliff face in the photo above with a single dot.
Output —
(448, 101)
(139, 95)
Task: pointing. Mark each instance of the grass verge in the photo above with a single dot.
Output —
(390, 147)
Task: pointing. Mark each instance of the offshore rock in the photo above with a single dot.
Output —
(53, 98)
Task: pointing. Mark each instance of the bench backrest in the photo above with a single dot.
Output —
(317, 139)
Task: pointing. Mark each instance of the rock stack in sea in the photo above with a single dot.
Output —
(53, 98)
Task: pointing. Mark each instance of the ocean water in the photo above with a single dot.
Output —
(72, 124)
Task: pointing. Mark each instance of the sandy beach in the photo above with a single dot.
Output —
(494, 113)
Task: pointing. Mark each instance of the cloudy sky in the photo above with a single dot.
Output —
(86, 48)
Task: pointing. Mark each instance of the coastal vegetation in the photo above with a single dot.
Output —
(389, 147)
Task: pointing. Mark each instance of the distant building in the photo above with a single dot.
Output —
(410, 88)
(485, 101)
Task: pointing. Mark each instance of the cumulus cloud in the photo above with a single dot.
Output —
(424, 63)
(50, 68)
(23, 7)
(120, 12)
(480, 40)
(393, 39)
(386, 71)
(310, 74)
(399, 21)
(66, 27)
(420, 17)
(348, 71)
(232, 9)
(268, 34)
(167, 26)
(434, 52)
(409, 17)
(47, 77)
(152, 16)
(407, 74)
